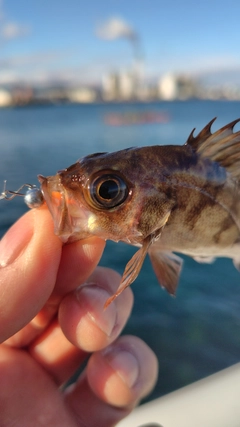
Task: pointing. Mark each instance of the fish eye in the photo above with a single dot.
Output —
(108, 191)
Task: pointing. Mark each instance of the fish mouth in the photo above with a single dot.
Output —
(71, 218)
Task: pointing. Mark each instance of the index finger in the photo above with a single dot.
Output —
(36, 271)
(29, 259)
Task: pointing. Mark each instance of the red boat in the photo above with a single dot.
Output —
(137, 117)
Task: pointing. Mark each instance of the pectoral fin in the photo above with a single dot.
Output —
(167, 267)
(132, 269)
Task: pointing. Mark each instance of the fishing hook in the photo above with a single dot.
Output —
(33, 196)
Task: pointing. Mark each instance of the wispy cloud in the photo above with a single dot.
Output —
(9, 29)
(38, 68)
(116, 28)
(13, 30)
(36, 59)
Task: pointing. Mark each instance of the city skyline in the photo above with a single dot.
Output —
(75, 41)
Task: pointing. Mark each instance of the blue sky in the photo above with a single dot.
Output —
(62, 39)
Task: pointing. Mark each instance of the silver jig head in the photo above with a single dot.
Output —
(33, 196)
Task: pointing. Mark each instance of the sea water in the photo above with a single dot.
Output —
(198, 332)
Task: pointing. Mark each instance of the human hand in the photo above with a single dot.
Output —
(49, 325)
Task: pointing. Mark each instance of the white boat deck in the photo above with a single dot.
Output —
(211, 402)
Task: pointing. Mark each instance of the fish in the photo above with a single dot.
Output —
(164, 199)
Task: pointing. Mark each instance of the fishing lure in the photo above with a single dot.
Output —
(33, 197)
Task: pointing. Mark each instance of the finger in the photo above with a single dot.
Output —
(77, 262)
(124, 372)
(29, 259)
(28, 395)
(115, 380)
(83, 318)
(58, 356)
(85, 321)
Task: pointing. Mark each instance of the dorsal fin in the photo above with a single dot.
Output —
(222, 146)
(202, 136)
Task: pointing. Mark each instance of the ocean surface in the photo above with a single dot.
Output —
(198, 332)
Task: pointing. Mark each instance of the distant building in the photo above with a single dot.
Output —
(167, 87)
(123, 86)
(82, 95)
(22, 95)
(5, 98)
(126, 86)
(172, 87)
(109, 87)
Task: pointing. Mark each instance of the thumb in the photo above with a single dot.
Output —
(29, 259)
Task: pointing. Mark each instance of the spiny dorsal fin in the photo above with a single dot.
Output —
(222, 146)
(202, 136)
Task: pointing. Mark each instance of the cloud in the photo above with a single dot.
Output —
(35, 59)
(116, 28)
(9, 29)
(38, 68)
(12, 30)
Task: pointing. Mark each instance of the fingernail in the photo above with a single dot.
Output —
(93, 298)
(13, 244)
(125, 363)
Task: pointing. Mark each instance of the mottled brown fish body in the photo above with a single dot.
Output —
(161, 198)
(205, 219)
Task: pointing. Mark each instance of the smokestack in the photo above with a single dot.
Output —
(116, 28)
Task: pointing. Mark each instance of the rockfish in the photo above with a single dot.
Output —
(163, 199)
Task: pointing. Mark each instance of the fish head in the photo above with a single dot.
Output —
(106, 195)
